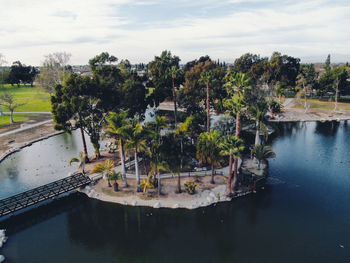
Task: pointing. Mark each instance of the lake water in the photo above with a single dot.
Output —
(302, 215)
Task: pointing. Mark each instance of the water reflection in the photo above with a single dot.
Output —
(328, 128)
(301, 216)
(41, 163)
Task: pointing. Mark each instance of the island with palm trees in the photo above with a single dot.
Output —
(188, 157)
(183, 135)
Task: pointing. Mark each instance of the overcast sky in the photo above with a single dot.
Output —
(140, 29)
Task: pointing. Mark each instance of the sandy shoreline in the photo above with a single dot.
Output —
(202, 198)
(205, 196)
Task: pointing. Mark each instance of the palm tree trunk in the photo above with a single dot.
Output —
(83, 168)
(178, 191)
(121, 147)
(305, 99)
(175, 108)
(235, 174)
(212, 174)
(272, 113)
(159, 183)
(229, 181)
(84, 145)
(208, 109)
(257, 134)
(238, 124)
(137, 172)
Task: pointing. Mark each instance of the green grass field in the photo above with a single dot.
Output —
(19, 117)
(35, 100)
(326, 105)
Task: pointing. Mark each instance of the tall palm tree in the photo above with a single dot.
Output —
(171, 155)
(156, 126)
(262, 153)
(114, 129)
(173, 73)
(105, 169)
(257, 112)
(233, 147)
(235, 84)
(206, 79)
(137, 141)
(81, 160)
(208, 149)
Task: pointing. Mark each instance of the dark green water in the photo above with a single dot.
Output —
(302, 215)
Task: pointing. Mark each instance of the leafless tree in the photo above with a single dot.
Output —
(53, 71)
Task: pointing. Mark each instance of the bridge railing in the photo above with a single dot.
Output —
(20, 201)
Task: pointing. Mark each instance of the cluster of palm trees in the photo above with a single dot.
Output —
(169, 151)
(134, 138)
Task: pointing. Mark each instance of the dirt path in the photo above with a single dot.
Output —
(14, 140)
(25, 127)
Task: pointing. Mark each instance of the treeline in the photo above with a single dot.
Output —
(114, 99)
(199, 86)
(18, 74)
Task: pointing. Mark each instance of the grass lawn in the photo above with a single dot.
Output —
(35, 100)
(326, 105)
(21, 117)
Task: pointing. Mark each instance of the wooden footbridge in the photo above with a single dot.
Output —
(45, 192)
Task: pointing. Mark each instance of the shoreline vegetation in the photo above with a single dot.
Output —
(206, 194)
(149, 162)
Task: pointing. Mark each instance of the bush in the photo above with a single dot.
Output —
(190, 187)
(197, 178)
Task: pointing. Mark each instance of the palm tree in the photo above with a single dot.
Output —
(171, 155)
(116, 122)
(114, 176)
(156, 167)
(207, 78)
(257, 113)
(81, 160)
(233, 147)
(137, 141)
(262, 153)
(147, 183)
(235, 106)
(173, 73)
(235, 84)
(208, 149)
(156, 126)
(105, 169)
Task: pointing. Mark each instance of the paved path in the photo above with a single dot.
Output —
(169, 106)
(27, 127)
(29, 112)
(287, 102)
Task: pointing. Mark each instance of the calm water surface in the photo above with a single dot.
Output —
(302, 215)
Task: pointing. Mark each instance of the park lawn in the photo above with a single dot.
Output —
(35, 100)
(325, 105)
(18, 117)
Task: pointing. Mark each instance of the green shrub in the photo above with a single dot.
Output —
(190, 187)
(197, 178)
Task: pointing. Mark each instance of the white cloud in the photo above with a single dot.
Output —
(85, 28)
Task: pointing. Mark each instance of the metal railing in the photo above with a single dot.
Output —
(23, 200)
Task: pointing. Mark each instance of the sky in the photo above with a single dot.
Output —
(138, 30)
